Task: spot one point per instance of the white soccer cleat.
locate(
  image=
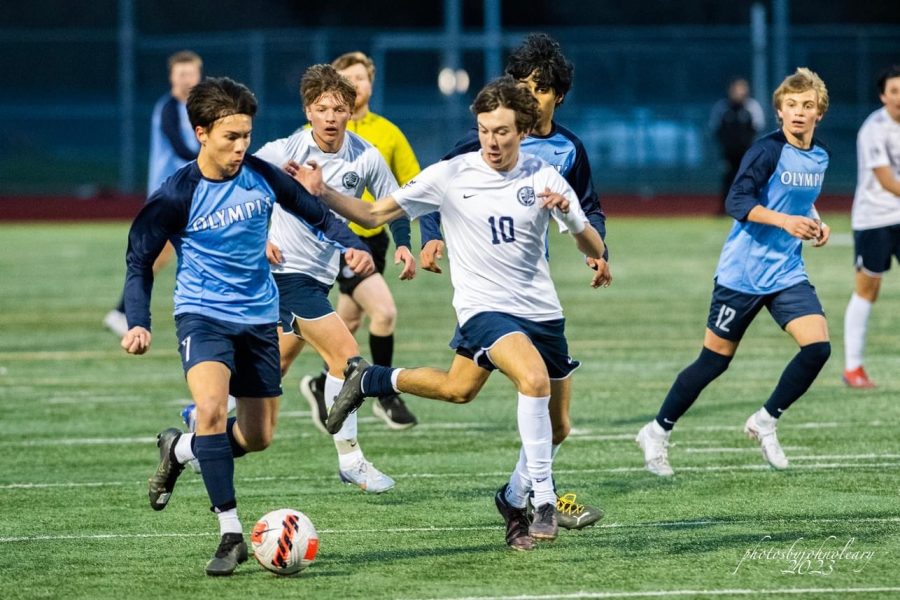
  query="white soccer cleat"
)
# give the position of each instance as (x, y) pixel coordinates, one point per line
(367, 477)
(757, 429)
(116, 322)
(656, 449)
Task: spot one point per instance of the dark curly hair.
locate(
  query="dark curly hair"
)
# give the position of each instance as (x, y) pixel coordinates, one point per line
(507, 92)
(540, 54)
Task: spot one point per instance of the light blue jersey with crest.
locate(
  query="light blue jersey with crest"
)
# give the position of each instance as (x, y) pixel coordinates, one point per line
(762, 259)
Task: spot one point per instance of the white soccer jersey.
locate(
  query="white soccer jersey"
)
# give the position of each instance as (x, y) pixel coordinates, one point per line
(357, 166)
(496, 231)
(877, 145)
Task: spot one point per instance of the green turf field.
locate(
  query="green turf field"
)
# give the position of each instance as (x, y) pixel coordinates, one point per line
(79, 418)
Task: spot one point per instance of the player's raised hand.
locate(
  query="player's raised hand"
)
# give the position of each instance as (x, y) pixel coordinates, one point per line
(402, 254)
(273, 253)
(309, 176)
(431, 253)
(802, 227)
(554, 200)
(602, 275)
(824, 234)
(136, 340)
(359, 261)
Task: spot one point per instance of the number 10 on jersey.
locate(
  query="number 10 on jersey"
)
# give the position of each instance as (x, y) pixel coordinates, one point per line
(502, 230)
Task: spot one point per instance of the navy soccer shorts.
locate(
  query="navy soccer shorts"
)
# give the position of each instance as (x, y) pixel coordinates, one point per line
(874, 248)
(300, 297)
(378, 247)
(475, 339)
(249, 351)
(731, 312)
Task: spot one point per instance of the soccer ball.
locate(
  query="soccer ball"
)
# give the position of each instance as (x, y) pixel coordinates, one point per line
(285, 541)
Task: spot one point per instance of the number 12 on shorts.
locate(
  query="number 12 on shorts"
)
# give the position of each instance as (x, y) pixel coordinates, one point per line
(726, 315)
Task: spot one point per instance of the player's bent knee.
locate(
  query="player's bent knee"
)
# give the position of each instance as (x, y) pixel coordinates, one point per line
(817, 353)
(536, 385)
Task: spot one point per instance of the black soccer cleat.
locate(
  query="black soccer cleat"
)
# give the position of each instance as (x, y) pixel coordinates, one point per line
(161, 484)
(351, 396)
(545, 525)
(313, 389)
(517, 535)
(232, 551)
(394, 412)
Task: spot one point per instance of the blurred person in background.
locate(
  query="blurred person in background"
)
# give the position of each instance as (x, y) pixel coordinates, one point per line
(172, 145)
(875, 219)
(735, 122)
(361, 296)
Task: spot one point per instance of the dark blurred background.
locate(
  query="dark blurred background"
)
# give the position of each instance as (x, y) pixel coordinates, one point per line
(79, 79)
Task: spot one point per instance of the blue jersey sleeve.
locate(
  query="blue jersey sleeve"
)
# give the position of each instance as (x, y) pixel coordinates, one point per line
(294, 198)
(171, 129)
(401, 232)
(430, 224)
(165, 215)
(756, 169)
(579, 177)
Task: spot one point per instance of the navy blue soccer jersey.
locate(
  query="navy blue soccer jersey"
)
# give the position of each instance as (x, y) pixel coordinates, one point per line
(219, 229)
(560, 148)
(757, 258)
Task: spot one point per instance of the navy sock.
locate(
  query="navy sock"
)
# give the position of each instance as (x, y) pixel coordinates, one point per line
(217, 467)
(382, 348)
(798, 376)
(237, 450)
(688, 385)
(377, 381)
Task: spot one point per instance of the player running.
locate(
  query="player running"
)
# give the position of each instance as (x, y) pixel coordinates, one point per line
(760, 266)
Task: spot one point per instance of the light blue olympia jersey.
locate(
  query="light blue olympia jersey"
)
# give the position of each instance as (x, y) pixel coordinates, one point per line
(219, 231)
(762, 259)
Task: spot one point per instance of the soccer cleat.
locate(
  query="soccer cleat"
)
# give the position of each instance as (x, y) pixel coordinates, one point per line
(545, 525)
(116, 322)
(857, 379)
(162, 482)
(189, 416)
(232, 551)
(517, 535)
(394, 412)
(570, 514)
(768, 441)
(656, 450)
(313, 389)
(367, 477)
(350, 398)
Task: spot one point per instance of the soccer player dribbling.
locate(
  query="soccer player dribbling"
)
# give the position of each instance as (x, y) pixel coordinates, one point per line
(215, 211)
(772, 201)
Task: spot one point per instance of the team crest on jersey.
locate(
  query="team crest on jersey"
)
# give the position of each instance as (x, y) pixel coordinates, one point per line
(526, 195)
(350, 180)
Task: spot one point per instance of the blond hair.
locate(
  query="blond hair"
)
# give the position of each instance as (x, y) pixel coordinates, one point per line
(184, 56)
(802, 80)
(349, 59)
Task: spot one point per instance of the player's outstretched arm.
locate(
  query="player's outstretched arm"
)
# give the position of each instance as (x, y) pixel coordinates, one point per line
(591, 245)
(798, 226)
(431, 253)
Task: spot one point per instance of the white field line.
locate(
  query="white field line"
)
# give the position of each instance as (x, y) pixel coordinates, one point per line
(402, 530)
(491, 474)
(689, 593)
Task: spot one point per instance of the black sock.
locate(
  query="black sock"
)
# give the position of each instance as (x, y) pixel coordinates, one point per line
(217, 468)
(237, 450)
(382, 349)
(798, 375)
(688, 385)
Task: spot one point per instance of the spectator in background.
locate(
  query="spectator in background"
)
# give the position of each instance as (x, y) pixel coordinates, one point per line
(875, 219)
(735, 122)
(173, 144)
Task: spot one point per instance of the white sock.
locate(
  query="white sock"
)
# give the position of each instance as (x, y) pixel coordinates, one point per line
(229, 522)
(765, 419)
(657, 429)
(332, 387)
(232, 403)
(345, 461)
(537, 444)
(856, 325)
(183, 452)
(519, 483)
